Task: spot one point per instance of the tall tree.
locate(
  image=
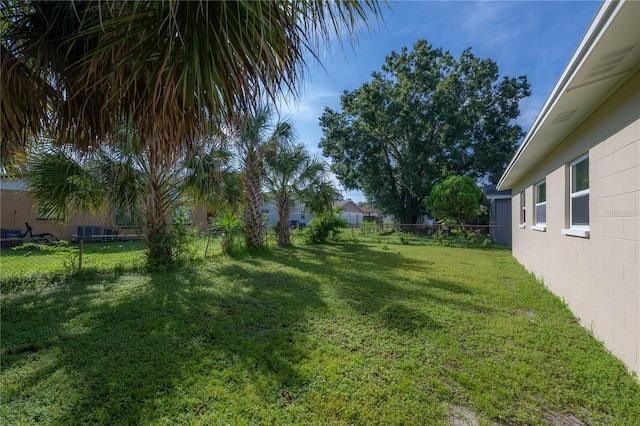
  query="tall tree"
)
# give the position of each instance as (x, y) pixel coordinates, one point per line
(293, 175)
(423, 116)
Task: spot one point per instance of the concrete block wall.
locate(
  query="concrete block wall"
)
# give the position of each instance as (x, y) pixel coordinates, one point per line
(599, 276)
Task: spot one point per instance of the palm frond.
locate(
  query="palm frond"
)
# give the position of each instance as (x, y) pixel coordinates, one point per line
(59, 183)
(169, 68)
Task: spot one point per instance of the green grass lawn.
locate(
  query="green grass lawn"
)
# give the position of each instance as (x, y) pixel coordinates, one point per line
(18, 265)
(349, 333)
(28, 262)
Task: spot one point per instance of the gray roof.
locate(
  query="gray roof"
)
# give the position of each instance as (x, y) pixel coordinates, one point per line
(490, 192)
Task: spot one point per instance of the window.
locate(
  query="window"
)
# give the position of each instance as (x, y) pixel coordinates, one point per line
(578, 197)
(541, 206)
(523, 210)
(125, 219)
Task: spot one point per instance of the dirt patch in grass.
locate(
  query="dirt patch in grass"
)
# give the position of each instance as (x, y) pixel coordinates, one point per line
(563, 419)
(462, 416)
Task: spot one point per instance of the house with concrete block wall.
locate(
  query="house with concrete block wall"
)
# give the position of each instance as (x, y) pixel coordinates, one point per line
(575, 184)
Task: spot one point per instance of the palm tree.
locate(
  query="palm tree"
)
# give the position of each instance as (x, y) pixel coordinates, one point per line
(168, 69)
(255, 137)
(320, 196)
(292, 175)
(115, 179)
(209, 178)
(123, 177)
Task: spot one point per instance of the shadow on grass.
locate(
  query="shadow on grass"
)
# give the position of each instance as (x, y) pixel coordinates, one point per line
(372, 282)
(117, 352)
(131, 349)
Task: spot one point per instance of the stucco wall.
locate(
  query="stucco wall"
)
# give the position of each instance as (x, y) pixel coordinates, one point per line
(599, 276)
(17, 207)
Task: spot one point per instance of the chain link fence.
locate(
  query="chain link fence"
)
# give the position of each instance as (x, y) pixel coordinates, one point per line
(25, 261)
(41, 261)
(38, 260)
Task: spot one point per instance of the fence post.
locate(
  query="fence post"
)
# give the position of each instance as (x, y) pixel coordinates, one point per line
(80, 247)
(206, 250)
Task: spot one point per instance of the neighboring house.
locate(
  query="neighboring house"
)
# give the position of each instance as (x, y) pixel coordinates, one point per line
(499, 203)
(575, 182)
(368, 211)
(351, 212)
(17, 206)
(298, 217)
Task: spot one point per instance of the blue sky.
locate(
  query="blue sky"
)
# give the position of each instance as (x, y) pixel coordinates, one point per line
(536, 38)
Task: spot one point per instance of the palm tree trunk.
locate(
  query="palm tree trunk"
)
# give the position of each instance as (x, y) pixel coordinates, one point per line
(253, 205)
(284, 211)
(154, 213)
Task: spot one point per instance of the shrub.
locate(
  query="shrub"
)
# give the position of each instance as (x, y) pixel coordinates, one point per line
(184, 236)
(230, 226)
(456, 198)
(368, 228)
(322, 227)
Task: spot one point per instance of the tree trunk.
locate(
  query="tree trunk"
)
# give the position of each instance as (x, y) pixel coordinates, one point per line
(155, 208)
(284, 211)
(253, 204)
(409, 214)
(154, 211)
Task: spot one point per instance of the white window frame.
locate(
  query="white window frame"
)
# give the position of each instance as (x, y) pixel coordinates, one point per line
(576, 230)
(538, 225)
(523, 210)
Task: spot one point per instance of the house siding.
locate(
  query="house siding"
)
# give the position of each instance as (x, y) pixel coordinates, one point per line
(598, 277)
(501, 223)
(18, 207)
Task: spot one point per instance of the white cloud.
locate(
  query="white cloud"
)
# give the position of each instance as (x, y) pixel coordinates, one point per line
(310, 105)
(529, 109)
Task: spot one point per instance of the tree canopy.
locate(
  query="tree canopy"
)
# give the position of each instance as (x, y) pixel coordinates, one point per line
(424, 116)
(456, 198)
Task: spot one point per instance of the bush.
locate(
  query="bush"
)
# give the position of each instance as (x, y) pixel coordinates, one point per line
(184, 237)
(230, 225)
(368, 228)
(322, 227)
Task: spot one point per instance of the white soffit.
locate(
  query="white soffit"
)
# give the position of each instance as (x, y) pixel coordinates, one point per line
(608, 54)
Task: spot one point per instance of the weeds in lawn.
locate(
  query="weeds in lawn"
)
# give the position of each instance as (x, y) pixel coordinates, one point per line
(68, 253)
(329, 334)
